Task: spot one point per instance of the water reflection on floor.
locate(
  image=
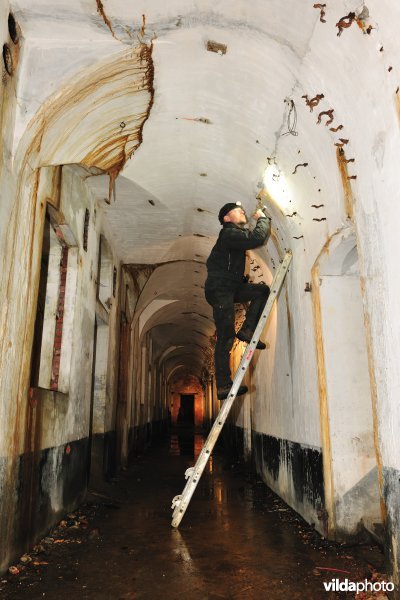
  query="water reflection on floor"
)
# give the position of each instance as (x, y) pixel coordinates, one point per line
(237, 540)
(185, 441)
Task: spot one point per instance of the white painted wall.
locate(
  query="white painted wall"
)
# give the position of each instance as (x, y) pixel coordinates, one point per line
(355, 481)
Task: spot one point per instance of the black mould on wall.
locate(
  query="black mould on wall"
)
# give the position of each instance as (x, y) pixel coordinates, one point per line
(61, 477)
(304, 464)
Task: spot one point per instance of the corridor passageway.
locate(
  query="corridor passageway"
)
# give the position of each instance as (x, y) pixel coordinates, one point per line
(126, 126)
(238, 540)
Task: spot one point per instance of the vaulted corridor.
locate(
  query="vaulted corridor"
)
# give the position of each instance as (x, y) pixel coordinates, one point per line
(125, 128)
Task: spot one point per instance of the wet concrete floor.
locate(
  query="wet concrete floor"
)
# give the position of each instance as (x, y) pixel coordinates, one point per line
(237, 540)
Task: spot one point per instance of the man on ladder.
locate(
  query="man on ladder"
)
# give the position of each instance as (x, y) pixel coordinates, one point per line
(226, 285)
(232, 291)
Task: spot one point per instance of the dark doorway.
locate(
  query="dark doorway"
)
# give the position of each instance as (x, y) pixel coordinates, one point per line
(186, 410)
(186, 425)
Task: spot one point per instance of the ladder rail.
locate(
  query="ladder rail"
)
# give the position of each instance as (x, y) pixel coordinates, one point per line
(181, 502)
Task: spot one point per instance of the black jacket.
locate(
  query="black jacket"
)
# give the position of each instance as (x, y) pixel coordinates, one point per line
(228, 257)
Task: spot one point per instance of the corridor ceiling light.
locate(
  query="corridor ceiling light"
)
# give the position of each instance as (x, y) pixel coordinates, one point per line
(276, 186)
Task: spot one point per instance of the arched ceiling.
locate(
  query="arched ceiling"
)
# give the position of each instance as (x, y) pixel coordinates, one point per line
(234, 99)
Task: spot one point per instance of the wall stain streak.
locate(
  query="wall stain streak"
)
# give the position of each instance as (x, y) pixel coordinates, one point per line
(323, 399)
(27, 429)
(28, 474)
(303, 465)
(112, 155)
(374, 400)
(289, 321)
(100, 10)
(397, 103)
(347, 191)
(92, 98)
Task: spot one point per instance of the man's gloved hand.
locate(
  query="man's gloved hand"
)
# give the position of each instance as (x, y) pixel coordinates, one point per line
(266, 212)
(259, 213)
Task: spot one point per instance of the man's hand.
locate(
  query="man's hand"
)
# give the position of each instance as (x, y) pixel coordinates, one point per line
(259, 213)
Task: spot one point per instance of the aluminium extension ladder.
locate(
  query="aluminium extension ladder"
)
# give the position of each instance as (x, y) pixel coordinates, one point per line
(193, 474)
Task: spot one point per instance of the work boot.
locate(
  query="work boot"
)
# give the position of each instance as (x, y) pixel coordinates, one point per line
(245, 335)
(222, 392)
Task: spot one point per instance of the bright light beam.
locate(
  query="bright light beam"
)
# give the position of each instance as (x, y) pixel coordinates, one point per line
(276, 186)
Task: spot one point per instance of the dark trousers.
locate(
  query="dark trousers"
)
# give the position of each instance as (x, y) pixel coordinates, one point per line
(222, 296)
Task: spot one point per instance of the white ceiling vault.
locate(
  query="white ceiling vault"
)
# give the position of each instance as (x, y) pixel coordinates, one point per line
(208, 124)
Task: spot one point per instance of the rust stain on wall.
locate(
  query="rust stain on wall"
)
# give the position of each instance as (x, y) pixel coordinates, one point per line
(143, 28)
(92, 97)
(323, 399)
(53, 195)
(112, 154)
(23, 428)
(289, 318)
(397, 103)
(100, 10)
(374, 400)
(347, 191)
